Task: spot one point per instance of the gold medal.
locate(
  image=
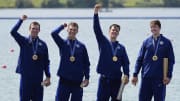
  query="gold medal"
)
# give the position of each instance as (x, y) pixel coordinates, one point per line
(34, 57)
(154, 58)
(72, 59)
(115, 58)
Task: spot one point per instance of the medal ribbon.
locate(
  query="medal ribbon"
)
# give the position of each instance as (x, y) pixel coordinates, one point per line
(156, 48)
(114, 51)
(35, 48)
(72, 48)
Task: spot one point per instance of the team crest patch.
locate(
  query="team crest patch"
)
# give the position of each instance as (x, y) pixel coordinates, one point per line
(77, 46)
(161, 42)
(40, 44)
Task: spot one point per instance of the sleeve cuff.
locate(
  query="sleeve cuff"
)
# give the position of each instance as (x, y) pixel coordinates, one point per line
(169, 75)
(62, 26)
(87, 77)
(135, 74)
(127, 75)
(48, 75)
(95, 15)
(20, 20)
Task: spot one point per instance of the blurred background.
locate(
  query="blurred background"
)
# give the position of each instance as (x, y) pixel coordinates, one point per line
(86, 3)
(132, 15)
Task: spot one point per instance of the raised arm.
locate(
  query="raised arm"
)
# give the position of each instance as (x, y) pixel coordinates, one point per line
(58, 40)
(14, 31)
(96, 25)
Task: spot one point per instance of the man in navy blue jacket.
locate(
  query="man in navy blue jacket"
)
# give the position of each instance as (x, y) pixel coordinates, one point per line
(74, 65)
(33, 62)
(113, 56)
(150, 62)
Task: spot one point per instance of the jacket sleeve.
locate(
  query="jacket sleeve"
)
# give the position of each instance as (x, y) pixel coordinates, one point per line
(125, 63)
(139, 60)
(171, 60)
(47, 63)
(14, 32)
(97, 30)
(86, 64)
(58, 40)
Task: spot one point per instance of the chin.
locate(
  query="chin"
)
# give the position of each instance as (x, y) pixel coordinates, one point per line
(155, 33)
(34, 36)
(113, 36)
(72, 35)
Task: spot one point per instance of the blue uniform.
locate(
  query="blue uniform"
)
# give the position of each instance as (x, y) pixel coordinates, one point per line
(71, 73)
(152, 71)
(31, 71)
(109, 70)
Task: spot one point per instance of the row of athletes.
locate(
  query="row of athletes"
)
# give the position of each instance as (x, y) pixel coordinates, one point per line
(74, 65)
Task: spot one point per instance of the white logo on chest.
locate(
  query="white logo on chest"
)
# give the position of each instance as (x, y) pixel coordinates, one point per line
(161, 42)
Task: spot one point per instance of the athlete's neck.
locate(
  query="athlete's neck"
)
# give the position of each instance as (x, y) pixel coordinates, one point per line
(34, 37)
(113, 39)
(155, 36)
(72, 38)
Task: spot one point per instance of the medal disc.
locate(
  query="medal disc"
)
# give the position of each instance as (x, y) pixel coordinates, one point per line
(34, 57)
(114, 58)
(72, 58)
(154, 58)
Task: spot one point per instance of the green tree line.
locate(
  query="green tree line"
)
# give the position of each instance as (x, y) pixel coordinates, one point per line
(86, 3)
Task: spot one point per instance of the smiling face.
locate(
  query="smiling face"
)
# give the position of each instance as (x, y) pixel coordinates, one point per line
(155, 27)
(72, 30)
(114, 30)
(34, 29)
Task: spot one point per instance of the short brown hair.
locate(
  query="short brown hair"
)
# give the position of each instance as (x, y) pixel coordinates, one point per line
(34, 23)
(74, 24)
(156, 22)
(114, 25)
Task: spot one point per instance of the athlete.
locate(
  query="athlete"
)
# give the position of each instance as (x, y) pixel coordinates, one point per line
(74, 64)
(33, 62)
(112, 57)
(150, 62)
